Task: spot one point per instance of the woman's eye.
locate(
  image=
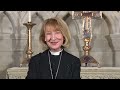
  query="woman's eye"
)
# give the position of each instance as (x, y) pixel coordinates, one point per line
(57, 32)
(48, 33)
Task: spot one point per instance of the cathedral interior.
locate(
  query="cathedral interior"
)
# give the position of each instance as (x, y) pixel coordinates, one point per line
(13, 37)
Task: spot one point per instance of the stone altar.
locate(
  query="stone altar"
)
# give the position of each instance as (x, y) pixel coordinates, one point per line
(86, 73)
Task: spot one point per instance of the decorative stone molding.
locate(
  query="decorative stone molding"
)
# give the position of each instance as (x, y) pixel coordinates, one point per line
(86, 73)
(115, 41)
(100, 73)
(16, 73)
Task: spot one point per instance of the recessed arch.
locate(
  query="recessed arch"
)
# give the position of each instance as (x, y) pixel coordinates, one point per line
(112, 19)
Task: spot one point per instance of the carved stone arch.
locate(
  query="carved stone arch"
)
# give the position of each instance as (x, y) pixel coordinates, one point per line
(38, 19)
(73, 27)
(107, 20)
(113, 22)
(78, 36)
(116, 24)
(8, 40)
(112, 19)
(50, 14)
(44, 14)
(12, 17)
(15, 42)
(62, 14)
(76, 23)
(107, 27)
(1, 12)
(40, 15)
(25, 18)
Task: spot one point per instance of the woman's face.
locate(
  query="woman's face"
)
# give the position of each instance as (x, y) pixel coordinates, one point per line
(53, 38)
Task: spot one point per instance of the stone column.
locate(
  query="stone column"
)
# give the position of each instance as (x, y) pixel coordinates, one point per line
(115, 45)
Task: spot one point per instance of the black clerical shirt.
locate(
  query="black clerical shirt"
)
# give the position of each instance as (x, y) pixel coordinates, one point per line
(39, 67)
(54, 59)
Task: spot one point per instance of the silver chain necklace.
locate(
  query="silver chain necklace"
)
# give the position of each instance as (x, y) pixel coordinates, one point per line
(51, 66)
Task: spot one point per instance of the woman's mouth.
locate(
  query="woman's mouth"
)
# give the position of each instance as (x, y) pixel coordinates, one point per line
(53, 43)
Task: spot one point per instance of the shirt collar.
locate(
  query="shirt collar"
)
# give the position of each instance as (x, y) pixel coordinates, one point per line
(56, 53)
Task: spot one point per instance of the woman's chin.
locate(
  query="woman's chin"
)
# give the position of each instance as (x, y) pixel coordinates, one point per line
(55, 48)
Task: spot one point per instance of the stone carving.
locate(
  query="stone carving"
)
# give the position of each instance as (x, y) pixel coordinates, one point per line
(86, 73)
(12, 31)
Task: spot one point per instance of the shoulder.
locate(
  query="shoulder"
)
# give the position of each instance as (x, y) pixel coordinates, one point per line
(71, 57)
(37, 57)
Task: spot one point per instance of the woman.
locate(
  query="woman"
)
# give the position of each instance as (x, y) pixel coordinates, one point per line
(54, 62)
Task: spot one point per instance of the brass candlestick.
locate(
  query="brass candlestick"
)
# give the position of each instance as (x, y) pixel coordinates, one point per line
(29, 51)
(86, 17)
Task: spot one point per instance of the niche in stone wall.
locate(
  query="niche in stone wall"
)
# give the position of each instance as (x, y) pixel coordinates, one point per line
(74, 27)
(101, 50)
(6, 45)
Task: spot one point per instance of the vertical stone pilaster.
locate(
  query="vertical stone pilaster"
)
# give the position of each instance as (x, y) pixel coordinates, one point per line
(115, 39)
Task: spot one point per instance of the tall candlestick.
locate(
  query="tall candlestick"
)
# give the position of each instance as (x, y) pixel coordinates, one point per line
(87, 35)
(29, 51)
(29, 17)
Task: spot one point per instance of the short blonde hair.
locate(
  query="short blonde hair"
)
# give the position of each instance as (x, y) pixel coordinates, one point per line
(59, 24)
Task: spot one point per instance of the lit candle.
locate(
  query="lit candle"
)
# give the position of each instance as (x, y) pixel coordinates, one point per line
(91, 28)
(83, 23)
(90, 22)
(72, 14)
(101, 14)
(86, 23)
(29, 17)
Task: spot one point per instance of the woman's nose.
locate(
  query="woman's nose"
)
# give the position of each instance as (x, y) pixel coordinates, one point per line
(53, 36)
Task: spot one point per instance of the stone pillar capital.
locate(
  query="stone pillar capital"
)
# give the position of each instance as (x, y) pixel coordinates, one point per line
(115, 39)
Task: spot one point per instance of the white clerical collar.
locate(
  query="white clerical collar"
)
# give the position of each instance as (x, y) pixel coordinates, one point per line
(56, 53)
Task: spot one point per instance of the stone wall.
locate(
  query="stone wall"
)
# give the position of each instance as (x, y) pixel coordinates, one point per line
(13, 37)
